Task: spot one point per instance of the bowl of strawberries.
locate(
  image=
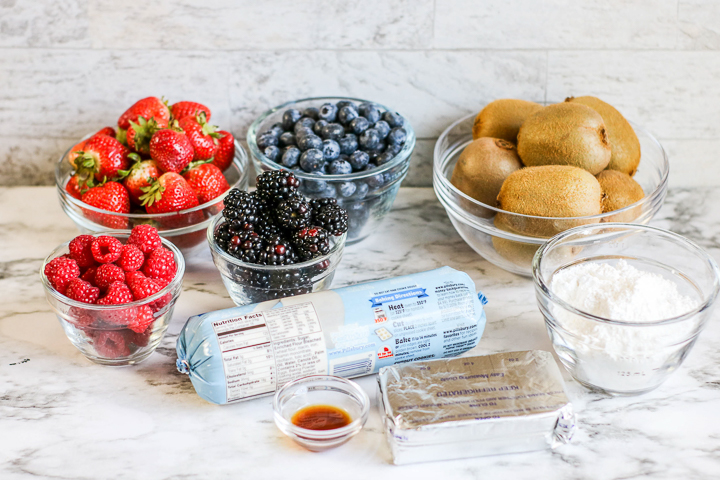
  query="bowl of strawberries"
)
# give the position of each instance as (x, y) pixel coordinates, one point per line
(163, 165)
(114, 294)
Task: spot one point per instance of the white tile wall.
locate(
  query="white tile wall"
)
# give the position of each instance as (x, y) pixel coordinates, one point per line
(70, 66)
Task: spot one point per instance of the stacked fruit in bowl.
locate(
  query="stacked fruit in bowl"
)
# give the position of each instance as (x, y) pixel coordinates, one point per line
(165, 165)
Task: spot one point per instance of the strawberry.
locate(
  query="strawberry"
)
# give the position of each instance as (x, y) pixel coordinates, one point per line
(207, 181)
(73, 188)
(100, 160)
(81, 250)
(121, 136)
(139, 134)
(225, 152)
(160, 264)
(82, 291)
(140, 175)
(131, 258)
(112, 197)
(145, 237)
(169, 193)
(143, 319)
(80, 146)
(107, 274)
(60, 271)
(150, 107)
(202, 135)
(184, 109)
(109, 131)
(171, 149)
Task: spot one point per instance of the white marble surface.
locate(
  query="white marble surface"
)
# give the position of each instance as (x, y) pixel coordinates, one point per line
(62, 417)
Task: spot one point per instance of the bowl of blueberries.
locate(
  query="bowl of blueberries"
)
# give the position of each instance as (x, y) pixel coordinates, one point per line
(353, 150)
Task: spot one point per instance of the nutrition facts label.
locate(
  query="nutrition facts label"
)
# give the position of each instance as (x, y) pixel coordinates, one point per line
(264, 350)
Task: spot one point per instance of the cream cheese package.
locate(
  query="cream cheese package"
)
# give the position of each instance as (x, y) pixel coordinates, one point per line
(474, 406)
(253, 350)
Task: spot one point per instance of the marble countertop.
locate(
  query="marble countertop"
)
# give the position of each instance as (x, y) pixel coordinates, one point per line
(63, 417)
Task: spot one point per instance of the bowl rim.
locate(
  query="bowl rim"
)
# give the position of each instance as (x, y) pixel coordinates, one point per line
(403, 155)
(240, 160)
(176, 281)
(338, 246)
(342, 384)
(440, 178)
(542, 287)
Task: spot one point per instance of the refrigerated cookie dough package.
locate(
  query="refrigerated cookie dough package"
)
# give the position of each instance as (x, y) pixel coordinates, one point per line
(474, 406)
(253, 350)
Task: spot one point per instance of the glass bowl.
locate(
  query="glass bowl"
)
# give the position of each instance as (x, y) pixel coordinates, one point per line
(113, 343)
(251, 283)
(618, 357)
(476, 222)
(321, 390)
(186, 228)
(375, 190)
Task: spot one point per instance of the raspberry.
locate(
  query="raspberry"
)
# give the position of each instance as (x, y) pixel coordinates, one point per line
(145, 237)
(81, 250)
(82, 291)
(81, 317)
(117, 294)
(106, 249)
(110, 344)
(131, 258)
(89, 275)
(60, 271)
(142, 286)
(160, 264)
(141, 339)
(143, 319)
(108, 273)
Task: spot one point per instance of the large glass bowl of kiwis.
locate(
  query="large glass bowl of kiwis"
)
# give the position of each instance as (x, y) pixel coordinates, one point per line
(518, 173)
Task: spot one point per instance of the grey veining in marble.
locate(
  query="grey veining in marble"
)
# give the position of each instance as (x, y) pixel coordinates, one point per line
(64, 417)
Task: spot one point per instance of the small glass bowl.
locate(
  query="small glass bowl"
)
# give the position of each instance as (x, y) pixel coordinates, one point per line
(186, 228)
(251, 283)
(375, 190)
(613, 356)
(321, 390)
(488, 233)
(113, 343)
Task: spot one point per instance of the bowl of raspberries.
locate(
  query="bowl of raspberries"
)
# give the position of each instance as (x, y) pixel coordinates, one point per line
(275, 242)
(114, 294)
(355, 151)
(163, 164)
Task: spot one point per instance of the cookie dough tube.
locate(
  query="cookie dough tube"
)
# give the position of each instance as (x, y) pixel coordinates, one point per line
(251, 351)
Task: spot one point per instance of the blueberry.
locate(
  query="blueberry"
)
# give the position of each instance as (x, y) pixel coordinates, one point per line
(383, 128)
(276, 129)
(359, 125)
(339, 167)
(315, 186)
(345, 103)
(384, 158)
(330, 149)
(346, 189)
(332, 131)
(361, 191)
(359, 160)
(397, 136)
(286, 139)
(369, 111)
(373, 154)
(328, 112)
(291, 157)
(346, 115)
(304, 122)
(265, 140)
(344, 157)
(393, 148)
(370, 139)
(393, 119)
(312, 160)
(348, 144)
(289, 118)
(303, 132)
(327, 192)
(374, 181)
(311, 112)
(306, 142)
(272, 152)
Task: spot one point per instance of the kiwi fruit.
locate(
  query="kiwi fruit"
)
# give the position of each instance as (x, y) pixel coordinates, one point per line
(565, 134)
(502, 118)
(548, 191)
(624, 142)
(518, 253)
(620, 190)
(482, 168)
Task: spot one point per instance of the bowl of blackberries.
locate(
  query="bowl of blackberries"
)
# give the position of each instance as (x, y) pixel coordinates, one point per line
(353, 150)
(275, 242)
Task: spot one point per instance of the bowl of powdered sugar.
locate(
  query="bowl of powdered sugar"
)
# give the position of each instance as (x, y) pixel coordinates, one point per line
(623, 304)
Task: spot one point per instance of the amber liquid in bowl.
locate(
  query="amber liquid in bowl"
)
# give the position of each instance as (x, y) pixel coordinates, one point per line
(321, 417)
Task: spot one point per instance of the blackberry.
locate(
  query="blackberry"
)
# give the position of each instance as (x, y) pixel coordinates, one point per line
(293, 213)
(276, 185)
(318, 203)
(246, 247)
(311, 242)
(332, 217)
(240, 206)
(277, 251)
(269, 286)
(265, 225)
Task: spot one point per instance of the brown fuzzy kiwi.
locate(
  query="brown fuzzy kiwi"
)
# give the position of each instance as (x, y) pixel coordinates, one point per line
(548, 191)
(518, 253)
(565, 134)
(619, 191)
(624, 142)
(502, 118)
(482, 168)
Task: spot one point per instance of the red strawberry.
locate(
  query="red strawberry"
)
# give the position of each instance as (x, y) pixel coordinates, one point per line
(81, 250)
(143, 319)
(121, 136)
(207, 181)
(100, 160)
(140, 175)
(150, 107)
(60, 271)
(170, 193)
(202, 135)
(110, 344)
(145, 237)
(225, 152)
(131, 258)
(139, 134)
(73, 188)
(171, 149)
(107, 274)
(160, 264)
(80, 146)
(106, 249)
(112, 197)
(184, 109)
(109, 131)
(82, 291)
